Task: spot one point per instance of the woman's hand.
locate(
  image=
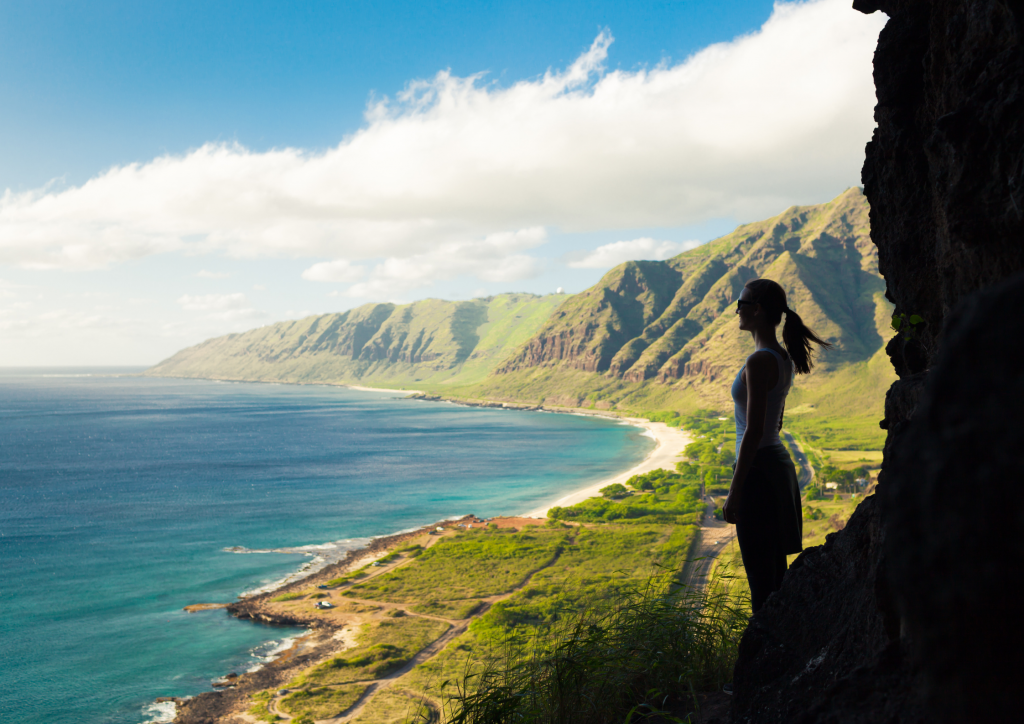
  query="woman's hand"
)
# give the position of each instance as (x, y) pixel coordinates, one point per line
(732, 508)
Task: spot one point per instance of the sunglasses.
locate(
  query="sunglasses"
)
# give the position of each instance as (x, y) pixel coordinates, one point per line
(741, 302)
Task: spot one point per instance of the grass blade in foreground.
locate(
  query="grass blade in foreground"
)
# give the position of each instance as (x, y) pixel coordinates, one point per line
(645, 657)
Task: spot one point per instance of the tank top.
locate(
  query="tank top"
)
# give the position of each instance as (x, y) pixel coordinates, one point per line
(773, 411)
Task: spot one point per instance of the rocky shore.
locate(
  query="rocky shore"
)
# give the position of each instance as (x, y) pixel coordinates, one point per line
(324, 635)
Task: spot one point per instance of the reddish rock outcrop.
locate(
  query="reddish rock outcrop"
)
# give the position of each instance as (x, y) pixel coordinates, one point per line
(908, 615)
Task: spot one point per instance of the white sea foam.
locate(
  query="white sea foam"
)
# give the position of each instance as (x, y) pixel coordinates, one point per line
(267, 652)
(321, 555)
(160, 712)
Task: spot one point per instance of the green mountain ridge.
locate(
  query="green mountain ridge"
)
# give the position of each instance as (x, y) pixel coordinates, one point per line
(651, 335)
(430, 341)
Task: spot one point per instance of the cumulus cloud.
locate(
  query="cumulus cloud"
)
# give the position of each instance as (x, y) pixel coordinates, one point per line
(224, 307)
(339, 270)
(609, 255)
(495, 259)
(741, 129)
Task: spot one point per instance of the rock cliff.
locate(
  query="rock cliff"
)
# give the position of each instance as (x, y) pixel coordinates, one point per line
(910, 613)
(670, 320)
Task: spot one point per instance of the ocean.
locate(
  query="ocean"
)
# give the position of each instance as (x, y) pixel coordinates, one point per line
(120, 497)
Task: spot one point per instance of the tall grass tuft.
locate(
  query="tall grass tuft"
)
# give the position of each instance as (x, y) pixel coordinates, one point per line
(644, 657)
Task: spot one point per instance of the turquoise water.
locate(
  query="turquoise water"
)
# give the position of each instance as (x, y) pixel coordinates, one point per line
(120, 494)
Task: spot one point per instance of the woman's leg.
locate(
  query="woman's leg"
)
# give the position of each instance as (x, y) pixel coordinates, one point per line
(761, 560)
(780, 570)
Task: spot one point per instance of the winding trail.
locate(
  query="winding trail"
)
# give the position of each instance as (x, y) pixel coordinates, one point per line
(806, 471)
(714, 534)
(457, 628)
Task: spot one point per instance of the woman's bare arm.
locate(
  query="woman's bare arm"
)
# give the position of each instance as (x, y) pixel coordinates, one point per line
(761, 375)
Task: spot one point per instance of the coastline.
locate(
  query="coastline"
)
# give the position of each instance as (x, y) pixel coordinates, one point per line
(321, 633)
(669, 445)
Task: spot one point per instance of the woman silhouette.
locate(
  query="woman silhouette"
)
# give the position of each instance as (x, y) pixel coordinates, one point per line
(764, 499)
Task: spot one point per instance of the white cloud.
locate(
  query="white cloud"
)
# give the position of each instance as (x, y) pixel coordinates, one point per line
(609, 255)
(212, 275)
(224, 307)
(495, 259)
(741, 129)
(338, 270)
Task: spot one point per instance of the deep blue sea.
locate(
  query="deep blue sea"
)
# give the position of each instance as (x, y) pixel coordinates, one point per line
(119, 496)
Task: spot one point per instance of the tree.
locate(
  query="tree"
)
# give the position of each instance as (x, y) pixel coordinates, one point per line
(615, 490)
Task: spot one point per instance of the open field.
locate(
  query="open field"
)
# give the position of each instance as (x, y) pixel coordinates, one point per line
(854, 457)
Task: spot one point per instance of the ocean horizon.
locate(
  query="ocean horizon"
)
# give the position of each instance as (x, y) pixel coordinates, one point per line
(125, 498)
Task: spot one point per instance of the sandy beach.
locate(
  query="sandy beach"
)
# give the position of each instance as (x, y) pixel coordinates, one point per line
(670, 443)
(361, 388)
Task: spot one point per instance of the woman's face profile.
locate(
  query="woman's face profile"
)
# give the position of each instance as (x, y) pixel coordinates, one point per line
(746, 308)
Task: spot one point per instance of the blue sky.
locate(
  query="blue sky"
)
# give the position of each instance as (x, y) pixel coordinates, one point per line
(176, 171)
(91, 84)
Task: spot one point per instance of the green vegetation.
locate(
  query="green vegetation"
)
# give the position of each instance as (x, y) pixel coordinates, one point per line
(448, 609)
(614, 491)
(259, 708)
(846, 480)
(348, 577)
(288, 597)
(637, 659)
(396, 707)
(383, 647)
(322, 702)
(475, 564)
(672, 498)
(425, 344)
(598, 566)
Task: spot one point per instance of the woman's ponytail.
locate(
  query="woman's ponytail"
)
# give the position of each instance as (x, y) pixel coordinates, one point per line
(796, 336)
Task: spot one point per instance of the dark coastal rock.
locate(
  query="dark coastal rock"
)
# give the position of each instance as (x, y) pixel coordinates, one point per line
(955, 508)
(909, 614)
(806, 654)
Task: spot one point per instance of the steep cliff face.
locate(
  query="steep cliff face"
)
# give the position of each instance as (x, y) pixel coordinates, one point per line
(907, 614)
(672, 320)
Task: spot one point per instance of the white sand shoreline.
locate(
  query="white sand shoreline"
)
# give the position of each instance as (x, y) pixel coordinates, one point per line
(360, 388)
(670, 442)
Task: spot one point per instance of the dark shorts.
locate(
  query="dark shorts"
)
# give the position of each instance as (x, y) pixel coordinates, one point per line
(771, 499)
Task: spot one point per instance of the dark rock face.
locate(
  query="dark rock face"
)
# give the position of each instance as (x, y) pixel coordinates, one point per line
(955, 512)
(800, 657)
(909, 613)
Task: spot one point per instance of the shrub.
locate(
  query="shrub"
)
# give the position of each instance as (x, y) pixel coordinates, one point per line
(643, 653)
(287, 597)
(615, 490)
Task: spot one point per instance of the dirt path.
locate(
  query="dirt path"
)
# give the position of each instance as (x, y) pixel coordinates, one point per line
(458, 627)
(803, 463)
(714, 534)
(437, 646)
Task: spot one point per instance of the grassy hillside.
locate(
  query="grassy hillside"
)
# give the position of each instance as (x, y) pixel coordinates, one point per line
(650, 336)
(428, 343)
(672, 321)
(662, 335)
